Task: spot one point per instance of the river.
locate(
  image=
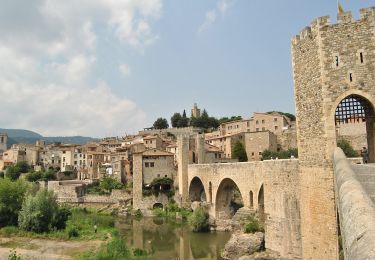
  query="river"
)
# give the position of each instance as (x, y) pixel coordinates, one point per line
(172, 240)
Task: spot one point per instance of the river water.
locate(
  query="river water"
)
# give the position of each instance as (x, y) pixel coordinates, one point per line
(171, 239)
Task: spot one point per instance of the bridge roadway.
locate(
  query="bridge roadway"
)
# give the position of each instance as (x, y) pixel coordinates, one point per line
(365, 174)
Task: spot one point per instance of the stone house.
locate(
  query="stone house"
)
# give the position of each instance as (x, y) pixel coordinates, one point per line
(256, 142)
(273, 122)
(157, 163)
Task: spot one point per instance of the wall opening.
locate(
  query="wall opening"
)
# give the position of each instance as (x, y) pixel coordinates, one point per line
(261, 213)
(354, 120)
(196, 190)
(210, 192)
(228, 199)
(251, 199)
(157, 206)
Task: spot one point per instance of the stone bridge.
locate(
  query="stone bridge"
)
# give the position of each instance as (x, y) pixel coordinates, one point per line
(269, 187)
(355, 198)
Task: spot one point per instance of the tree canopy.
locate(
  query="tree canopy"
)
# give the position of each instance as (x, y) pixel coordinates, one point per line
(161, 123)
(239, 152)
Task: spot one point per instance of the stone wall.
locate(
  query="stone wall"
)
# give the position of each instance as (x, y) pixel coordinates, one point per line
(356, 212)
(280, 182)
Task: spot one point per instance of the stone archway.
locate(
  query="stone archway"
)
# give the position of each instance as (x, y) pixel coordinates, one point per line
(196, 190)
(354, 121)
(261, 213)
(251, 196)
(228, 199)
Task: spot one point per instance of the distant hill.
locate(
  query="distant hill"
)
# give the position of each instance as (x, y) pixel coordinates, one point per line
(29, 137)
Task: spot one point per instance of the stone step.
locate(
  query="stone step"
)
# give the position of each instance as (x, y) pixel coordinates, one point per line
(243, 213)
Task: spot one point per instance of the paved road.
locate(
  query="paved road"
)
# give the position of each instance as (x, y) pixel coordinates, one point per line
(365, 174)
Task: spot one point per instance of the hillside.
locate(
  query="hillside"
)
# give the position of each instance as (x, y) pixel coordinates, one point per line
(29, 137)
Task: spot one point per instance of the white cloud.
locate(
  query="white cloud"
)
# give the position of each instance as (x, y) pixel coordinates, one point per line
(124, 70)
(47, 60)
(211, 16)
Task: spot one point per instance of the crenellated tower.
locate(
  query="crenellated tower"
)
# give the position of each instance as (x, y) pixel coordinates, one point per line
(334, 79)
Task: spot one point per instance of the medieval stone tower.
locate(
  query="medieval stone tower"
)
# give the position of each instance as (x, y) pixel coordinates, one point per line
(3, 142)
(334, 77)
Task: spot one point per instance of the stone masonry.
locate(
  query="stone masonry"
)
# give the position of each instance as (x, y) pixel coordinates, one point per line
(330, 62)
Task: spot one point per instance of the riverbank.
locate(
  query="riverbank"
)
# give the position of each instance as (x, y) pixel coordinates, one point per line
(45, 249)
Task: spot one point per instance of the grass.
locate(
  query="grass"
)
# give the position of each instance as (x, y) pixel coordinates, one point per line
(80, 226)
(252, 225)
(115, 249)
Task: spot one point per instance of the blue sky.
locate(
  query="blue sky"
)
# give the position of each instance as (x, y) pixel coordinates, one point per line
(109, 67)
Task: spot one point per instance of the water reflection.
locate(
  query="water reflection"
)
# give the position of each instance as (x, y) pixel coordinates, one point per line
(172, 240)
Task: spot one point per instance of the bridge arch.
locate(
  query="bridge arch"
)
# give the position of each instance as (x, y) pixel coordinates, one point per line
(196, 190)
(354, 112)
(261, 212)
(251, 197)
(228, 199)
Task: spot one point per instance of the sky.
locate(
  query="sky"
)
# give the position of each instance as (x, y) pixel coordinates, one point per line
(111, 67)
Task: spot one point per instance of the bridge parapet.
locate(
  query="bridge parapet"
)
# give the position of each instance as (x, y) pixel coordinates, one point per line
(356, 211)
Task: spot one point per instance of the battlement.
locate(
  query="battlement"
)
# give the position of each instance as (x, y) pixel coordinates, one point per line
(342, 18)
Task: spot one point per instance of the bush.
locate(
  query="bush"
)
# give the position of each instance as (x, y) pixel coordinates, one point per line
(199, 220)
(347, 148)
(252, 225)
(267, 154)
(13, 255)
(33, 176)
(41, 213)
(109, 184)
(11, 196)
(73, 232)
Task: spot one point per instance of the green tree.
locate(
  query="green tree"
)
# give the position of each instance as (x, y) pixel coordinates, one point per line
(347, 148)
(175, 119)
(199, 220)
(161, 123)
(12, 193)
(109, 184)
(13, 173)
(289, 115)
(231, 119)
(41, 213)
(239, 152)
(204, 121)
(184, 121)
(23, 166)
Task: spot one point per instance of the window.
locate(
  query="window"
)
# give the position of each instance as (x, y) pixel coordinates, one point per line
(263, 121)
(276, 127)
(252, 153)
(152, 164)
(165, 176)
(361, 57)
(260, 153)
(75, 162)
(351, 77)
(257, 122)
(147, 164)
(64, 152)
(337, 60)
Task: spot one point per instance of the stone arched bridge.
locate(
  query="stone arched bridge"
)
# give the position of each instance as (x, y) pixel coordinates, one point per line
(270, 187)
